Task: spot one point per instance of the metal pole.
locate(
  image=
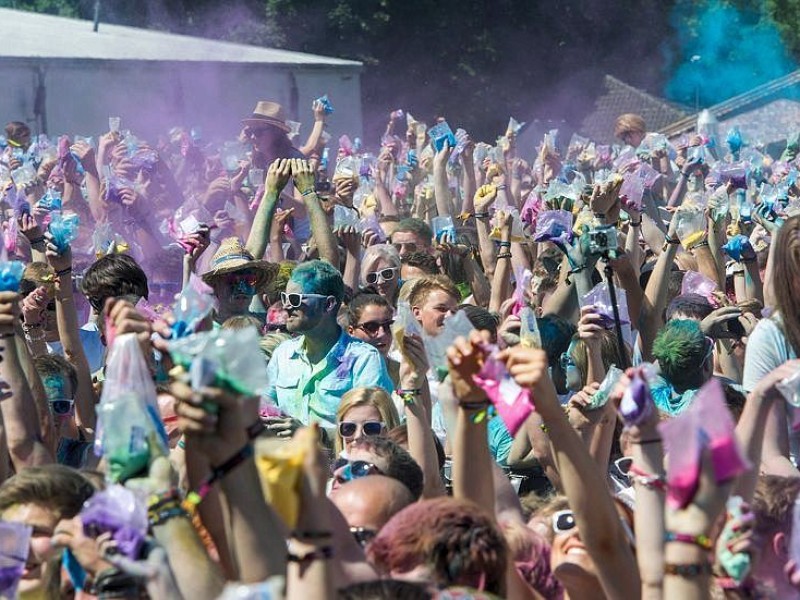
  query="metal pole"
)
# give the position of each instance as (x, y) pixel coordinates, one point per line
(96, 15)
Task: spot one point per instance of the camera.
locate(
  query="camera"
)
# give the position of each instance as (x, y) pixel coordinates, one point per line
(603, 240)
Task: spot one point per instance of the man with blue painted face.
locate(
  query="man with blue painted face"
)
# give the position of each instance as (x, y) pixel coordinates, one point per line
(309, 374)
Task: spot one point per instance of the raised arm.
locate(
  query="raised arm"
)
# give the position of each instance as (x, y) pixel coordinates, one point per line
(316, 132)
(320, 228)
(277, 177)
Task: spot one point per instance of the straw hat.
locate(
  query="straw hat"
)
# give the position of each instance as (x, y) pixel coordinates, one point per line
(268, 113)
(232, 257)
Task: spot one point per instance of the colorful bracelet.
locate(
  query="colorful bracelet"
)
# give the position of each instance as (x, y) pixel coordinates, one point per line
(647, 480)
(408, 396)
(194, 498)
(166, 514)
(687, 570)
(155, 501)
(703, 541)
(504, 244)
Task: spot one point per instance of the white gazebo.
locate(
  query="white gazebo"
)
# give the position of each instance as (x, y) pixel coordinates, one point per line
(60, 76)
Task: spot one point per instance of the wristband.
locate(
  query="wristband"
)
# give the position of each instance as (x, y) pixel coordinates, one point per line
(308, 192)
(407, 396)
(502, 186)
(155, 501)
(37, 241)
(504, 244)
(64, 271)
(651, 482)
(700, 245)
(482, 215)
(166, 514)
(703, 541)
(504, 255)
(311, 535)
(635, 223)
(645, 442)
(194, 498)
(474, 405)
(684, 175)
(324, 553)
(687, 570)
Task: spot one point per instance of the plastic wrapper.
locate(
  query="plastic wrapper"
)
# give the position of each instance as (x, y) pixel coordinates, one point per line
(129, 427)
(371, 223)
(15, 540)
(113, 124)
(522, 283)
(637, 403)
(691, 227)
(554, 226)
(443, 227)
(280, 466)
(734, 140)
(632, 190)
(514, 126)
(115, 185)
(790, 389)
(436, 345)
(625, 159)
(272, 589)
(51, 200)
(10, 270)
(344, 217)
(512, 402)
(529, 335)
(16, 199)
(737, 566)
(707, 422)
(23, 176)
(346, 168)
(441, 133)
(697, 283)
(405, 323)
(577, 144)
(517, 233)
(64, 229)
(531, 208)
(232, 358)
(118, 511)
(346, 146)
(195, 303)
(735, 173)
(738, 247)
(326, 104)
(294, 128)
(600, 298)
(607, 386)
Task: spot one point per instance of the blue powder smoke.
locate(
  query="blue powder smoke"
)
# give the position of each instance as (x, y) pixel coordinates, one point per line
(723, 52)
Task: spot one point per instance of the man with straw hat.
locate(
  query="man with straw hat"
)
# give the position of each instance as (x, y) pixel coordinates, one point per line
(236, 277)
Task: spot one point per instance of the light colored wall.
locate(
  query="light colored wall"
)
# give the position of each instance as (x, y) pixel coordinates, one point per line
(151, 97)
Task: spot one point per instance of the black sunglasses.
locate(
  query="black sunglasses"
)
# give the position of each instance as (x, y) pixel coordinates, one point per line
(347, 429)
(61, 407)
(363, 535)
(373, 327)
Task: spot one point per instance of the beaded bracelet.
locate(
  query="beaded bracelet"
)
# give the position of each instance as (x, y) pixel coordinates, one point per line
(194, 498)
(688, 570)
(408, 396)
(504, 255)
(166, 514)
(646, 480)
(703, 541)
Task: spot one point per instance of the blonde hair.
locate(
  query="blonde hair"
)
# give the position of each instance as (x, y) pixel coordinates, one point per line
(375, 253)
(629, 123)
(367, 396)
(427, 285)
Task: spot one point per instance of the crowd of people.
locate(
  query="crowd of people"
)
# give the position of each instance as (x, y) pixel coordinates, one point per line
(437, 368)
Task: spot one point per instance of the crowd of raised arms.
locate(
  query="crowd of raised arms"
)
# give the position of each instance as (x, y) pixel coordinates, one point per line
(435, 368)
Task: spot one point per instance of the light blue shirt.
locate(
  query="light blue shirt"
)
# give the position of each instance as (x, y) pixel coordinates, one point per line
(312, 393)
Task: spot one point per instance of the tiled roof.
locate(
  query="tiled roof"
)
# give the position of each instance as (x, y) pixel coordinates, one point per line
(766, 124)
(620, 98)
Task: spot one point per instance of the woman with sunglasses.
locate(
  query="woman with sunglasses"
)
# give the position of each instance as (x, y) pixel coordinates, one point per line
(370, 319)
(380, 270)
(364, 412)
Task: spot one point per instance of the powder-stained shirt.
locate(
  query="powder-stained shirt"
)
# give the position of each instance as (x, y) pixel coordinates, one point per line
(312, 392)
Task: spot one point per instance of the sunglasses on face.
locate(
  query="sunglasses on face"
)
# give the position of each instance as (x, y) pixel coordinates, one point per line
(386, 274)
(348, 429)
(295, 300)
(410, 246)
(234, 280)
(61, 406)
(564, 522)
(363, 535)
(280, 327)
(354, 469)
(373, 327)
(256, 132)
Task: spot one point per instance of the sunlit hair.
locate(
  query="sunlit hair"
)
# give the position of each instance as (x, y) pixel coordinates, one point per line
(55, 487)
(367, 396)
(609, 351)
(629, 123)
(399, 463)
(238, 322)
(38, 274)
(375, 253)
(680, 348)
(785, 283)
(427, 285)
(319, 277)
(455, 539)
(417, 227)
(773, 503)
